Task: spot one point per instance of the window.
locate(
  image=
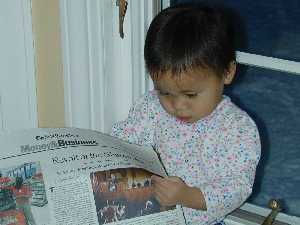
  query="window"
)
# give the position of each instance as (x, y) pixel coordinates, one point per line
(272, 27)
(267, 87)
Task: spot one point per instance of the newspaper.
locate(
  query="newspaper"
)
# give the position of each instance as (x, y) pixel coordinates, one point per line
(62, 176)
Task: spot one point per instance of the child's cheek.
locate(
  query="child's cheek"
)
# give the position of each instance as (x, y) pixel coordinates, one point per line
(167, 105)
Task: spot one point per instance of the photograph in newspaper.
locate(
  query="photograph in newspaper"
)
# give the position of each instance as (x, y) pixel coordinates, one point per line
(123, 194)
(22, 195)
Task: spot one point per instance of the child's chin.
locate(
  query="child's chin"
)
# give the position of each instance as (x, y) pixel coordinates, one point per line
(186, 120)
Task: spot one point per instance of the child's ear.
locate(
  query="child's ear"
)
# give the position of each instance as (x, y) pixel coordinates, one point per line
(230, 72)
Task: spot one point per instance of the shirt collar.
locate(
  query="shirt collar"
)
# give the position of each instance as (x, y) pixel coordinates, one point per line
(203, 123)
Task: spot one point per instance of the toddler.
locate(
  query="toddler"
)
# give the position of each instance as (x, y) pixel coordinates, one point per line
(209, 146)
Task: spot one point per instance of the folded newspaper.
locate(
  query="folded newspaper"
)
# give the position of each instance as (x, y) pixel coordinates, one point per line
(71, 176)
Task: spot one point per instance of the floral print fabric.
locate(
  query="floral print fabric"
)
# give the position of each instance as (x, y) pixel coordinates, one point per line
(218, 154)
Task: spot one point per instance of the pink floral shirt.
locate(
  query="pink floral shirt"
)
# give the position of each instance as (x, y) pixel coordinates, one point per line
(218, 154)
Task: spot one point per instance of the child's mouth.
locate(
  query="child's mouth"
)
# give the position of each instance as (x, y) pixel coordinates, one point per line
(184, 118)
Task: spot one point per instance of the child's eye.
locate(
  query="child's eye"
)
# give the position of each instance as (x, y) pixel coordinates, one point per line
(192, 95)
(163, 93)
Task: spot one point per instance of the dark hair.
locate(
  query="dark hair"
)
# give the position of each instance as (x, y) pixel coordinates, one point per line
(187, 37)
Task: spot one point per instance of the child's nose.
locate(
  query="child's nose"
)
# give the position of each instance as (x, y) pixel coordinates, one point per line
(179, 103)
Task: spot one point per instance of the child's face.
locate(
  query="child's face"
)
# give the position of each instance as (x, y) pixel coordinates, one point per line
(193, 95)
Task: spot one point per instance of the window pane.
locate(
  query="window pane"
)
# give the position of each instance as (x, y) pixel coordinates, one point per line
(272, 99)
(272, 27)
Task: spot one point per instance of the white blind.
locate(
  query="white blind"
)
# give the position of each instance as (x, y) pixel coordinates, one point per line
(18, 108)
(103, 73)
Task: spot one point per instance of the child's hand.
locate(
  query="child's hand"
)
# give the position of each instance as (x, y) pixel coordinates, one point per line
(169, 191)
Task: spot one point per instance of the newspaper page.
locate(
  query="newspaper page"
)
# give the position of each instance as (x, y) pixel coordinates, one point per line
(72, 176)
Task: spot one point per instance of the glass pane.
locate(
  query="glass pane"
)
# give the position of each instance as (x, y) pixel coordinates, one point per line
(272, 27)
(272, 99)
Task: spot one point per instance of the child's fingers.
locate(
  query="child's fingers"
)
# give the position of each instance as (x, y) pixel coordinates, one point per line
(162, 198)
(159, 199)
(166, 183)
(158, 187)
(163, 193)
(158, 181)
(156, 178)
(175, 179)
